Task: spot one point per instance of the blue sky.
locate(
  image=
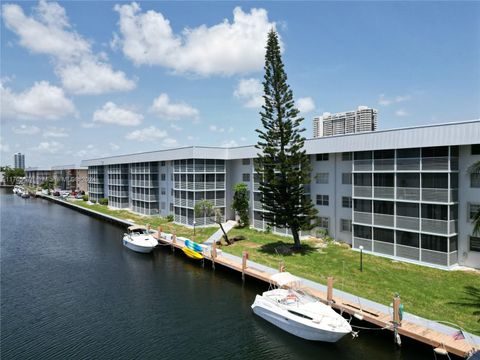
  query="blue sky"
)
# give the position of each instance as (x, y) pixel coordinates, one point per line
(88, 79)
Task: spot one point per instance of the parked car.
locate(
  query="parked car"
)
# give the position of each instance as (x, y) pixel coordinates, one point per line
(56, 193)
(78, 196)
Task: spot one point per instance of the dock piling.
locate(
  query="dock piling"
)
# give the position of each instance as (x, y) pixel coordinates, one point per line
(244, 263)
(330, 290)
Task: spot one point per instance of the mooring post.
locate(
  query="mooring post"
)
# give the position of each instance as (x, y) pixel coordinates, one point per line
(159, 231)
(174, 240)
(244, 263)
(330, 290)
(281, 267)
(397, 321)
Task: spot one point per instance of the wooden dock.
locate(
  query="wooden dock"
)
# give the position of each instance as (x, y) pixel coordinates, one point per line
(414, 331)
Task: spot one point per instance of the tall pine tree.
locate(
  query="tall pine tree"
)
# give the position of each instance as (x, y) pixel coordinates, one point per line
(282, 165)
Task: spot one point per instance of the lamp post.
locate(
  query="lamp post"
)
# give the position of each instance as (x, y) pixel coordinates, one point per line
(361, 257)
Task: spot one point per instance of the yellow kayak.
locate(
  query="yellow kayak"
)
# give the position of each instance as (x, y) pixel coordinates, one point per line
(192, 254)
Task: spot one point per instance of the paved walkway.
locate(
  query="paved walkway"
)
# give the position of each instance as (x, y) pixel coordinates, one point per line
(229, 225)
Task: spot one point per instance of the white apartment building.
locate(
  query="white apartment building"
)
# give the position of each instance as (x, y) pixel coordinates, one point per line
(361, 120)
(404, 194)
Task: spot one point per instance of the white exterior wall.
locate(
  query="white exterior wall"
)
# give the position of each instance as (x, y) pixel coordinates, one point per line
(466, 195)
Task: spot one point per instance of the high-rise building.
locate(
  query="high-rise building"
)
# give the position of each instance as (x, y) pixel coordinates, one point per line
(19, 161)
(360, 120)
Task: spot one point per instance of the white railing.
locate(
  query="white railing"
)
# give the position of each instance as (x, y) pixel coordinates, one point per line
(435, 163)
(408, 252)
(383, 219)
(435, 257)
(257, 205)
(366, 243)
(362, 217)
(408, 193)
(144, 197)
(408, 223)
(362, 165)
(383, 247)
(435, 226)
(435, 195)
(118, 193)
(384, 164)
(141, 183)
(383, 192)
(408, 164)
(362, 191)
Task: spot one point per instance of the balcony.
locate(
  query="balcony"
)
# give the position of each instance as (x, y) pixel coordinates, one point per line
(408, 223)
(117, 193)
(366, 243)
(362, 165)
(439, 226)
(435, 163)
(362, 217)
(435, 195)
(257, 205)
(408, 164)
(406, 193)
(383, 192)
(408, 252)
(362, 191)
(118, 182)
(383, 220)
(144, 197)
(144, 184)
(384, 164)
(435, 257)
(383, 247)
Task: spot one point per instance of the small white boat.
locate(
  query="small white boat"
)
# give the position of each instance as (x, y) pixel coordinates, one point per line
(139, 239)
(299, 313)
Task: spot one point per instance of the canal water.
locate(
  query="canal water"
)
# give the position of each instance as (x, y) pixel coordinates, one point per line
(70, 290)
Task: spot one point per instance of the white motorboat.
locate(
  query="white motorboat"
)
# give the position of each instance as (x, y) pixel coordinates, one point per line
(299, 313)
(139, 239)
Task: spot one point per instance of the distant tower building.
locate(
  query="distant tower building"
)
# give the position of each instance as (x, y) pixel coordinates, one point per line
(19, 161)
(360, 120)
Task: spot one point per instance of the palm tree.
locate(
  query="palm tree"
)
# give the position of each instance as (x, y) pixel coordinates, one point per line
(475, 169)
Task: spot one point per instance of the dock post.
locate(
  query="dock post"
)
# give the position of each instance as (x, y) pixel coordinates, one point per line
(214, 253)
(330, 290)
(397, 322)
(281, 267)
(174, 240)
(244, 263)
(159, 231)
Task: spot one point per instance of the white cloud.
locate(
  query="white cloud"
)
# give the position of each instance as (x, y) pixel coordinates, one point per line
(176, 127)
(41, 101)
(401, 113)
(113, 146)
(164, 109)
(4, 147)
(88, 125)
(383, 101)
(91, 76)
(150, 133)
(250, 91)
(168, 142)
(243, 139)
(48, 147)
(229, 143)
(226, 48)
(26, 130)
(49, 32)
(110, 113)
(55, 132)
(305, 105)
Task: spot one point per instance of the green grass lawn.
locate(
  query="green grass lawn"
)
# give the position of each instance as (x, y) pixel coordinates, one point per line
(201, 233)
(434, 294)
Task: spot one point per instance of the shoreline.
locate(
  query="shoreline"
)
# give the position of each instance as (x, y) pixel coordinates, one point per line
(432, 333)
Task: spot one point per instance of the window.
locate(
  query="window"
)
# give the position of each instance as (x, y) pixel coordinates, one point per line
(246, 177)
(435, 212)
(436, 243)
(245, 161)
(162, 163)
(435, 181)
(383, 180)
(347, 156)
(383, 235)
(474, 243)
(346, 178)
(322, 157)
(321, 178)
(346, 202)
(407, 209)
(362, 179)
(383, 207)
(345, 225)
(407, 238)
(323, 222)
(163, 177)
(362, 205)
(439, 151)
(407, 180)
(163, 191)
(475, 180)
(322, 200)
(472, 210)
(475, 149)
(364, 232)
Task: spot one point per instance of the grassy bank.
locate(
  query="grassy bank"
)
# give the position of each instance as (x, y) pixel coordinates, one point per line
(201, 234)
(434, 294)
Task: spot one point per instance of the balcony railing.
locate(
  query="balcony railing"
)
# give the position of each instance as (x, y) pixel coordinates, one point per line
(118, 193)
(384, 164)
(408, 223)
(144, 197)
(383, 247)
(435, 195)
(435, 163)
(362, 191)
(383, 192)
(146, 184)
(362, 217)
(408, 164)
(408, 193)
(366, 243)
(257, 205)
(383, 220)
(362, 165)
(408, 252)
(435, 257)
(435, 226)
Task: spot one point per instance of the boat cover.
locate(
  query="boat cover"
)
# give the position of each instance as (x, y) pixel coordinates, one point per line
(284, 278)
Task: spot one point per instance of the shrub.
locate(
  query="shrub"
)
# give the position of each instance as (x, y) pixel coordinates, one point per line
(85, 197)
(103, 201)
(93, 201)
(170, 218)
